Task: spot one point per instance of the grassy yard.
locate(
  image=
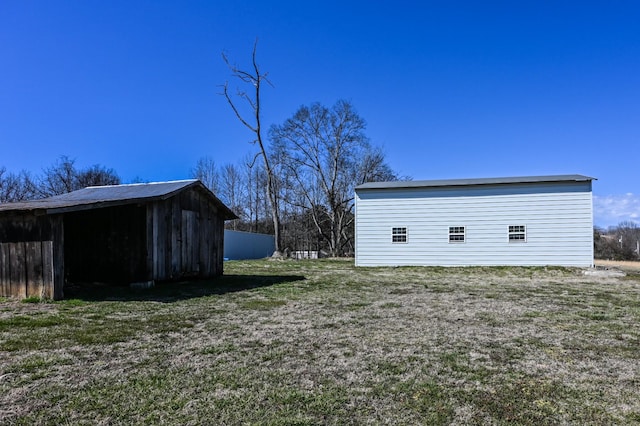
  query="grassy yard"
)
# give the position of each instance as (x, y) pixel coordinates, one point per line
(321, 342)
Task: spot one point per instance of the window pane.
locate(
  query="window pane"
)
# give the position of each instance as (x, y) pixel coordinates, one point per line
(517, 233)
(398, 235)
(456, 234)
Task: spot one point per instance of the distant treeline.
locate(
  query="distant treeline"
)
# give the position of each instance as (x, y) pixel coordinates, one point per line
(242, 187)
(317, 157)
(620, 242)
(61, 177)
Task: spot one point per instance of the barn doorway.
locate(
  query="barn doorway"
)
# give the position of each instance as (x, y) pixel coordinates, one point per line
(105, 245)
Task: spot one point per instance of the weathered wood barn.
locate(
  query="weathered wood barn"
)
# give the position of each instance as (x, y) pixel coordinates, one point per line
(531, 220)
(111, 234)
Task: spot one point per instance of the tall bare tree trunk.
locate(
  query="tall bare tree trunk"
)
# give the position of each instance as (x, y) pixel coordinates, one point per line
(255, 78)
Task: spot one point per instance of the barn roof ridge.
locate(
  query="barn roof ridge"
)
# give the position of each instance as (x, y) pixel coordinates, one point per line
(143, 183)
(474, 181)
(112, 195)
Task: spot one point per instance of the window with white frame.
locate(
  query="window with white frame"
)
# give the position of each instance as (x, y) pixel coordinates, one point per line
(456, 234)
(517, 233)
(399, 235)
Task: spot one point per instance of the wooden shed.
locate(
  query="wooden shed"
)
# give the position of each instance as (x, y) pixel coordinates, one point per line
(111, 234)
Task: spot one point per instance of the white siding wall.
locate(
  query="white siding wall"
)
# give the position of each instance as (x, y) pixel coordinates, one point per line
(558, 219)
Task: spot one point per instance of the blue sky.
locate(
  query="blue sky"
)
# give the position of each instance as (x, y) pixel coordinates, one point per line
(449, 89)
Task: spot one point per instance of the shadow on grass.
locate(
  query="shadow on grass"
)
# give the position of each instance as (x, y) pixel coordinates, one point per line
(173, 291)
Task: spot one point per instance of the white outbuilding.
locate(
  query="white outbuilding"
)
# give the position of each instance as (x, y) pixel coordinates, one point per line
(531, 220)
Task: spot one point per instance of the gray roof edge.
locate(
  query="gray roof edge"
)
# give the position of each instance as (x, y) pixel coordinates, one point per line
(146, 183)
(63, 204)
(474, 181)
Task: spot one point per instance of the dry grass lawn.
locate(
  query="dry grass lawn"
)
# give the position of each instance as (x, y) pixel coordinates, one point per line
(625, 265)
(323, 342)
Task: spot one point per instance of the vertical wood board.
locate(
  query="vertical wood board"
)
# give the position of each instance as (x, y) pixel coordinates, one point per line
(5, 270)
(189, 203)
(47, 270)
(33, 262)
(176, 238)
(18, 276)
(204, 256)
(27, 269)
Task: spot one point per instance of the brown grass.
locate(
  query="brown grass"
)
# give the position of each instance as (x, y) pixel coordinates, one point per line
(625, 265)
(327, 343)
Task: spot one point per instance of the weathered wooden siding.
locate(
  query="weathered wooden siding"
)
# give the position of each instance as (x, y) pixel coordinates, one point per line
(558, 219)
(186, 237)
(26, 269)
(28, 248)
(175, 238)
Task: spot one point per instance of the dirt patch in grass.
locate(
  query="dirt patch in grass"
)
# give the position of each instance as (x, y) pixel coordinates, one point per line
(335, 345)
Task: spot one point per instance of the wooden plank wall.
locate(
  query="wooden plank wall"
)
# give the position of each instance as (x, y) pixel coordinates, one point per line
(26, 269)
(5, 271)
(57, 235)
(185, 237)
(190, 243)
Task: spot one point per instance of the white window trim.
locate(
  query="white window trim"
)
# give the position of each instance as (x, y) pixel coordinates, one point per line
(405, 234)
(463, 233)
(510, 233)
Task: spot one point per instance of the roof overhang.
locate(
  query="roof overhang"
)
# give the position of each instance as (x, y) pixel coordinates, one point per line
(474, 182)
(112, 196)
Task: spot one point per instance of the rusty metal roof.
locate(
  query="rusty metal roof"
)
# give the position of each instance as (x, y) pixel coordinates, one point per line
(113, 195)
(476, 181)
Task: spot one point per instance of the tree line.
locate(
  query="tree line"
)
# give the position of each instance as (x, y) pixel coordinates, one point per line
(61, 177)
(621, 242)
(317, 158)
(309, 168)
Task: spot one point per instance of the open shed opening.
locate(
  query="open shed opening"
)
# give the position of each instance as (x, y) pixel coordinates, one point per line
(106, 245)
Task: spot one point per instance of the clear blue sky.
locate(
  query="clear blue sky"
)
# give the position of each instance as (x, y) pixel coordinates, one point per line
(449, 89)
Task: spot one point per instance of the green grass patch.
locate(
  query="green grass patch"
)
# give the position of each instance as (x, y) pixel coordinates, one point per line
(429, 399)
(262, 305)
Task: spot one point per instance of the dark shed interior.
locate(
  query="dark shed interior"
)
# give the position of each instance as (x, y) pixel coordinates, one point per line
(106, 245)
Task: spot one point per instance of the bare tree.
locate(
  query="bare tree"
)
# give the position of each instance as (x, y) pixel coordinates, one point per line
(256, 195)
(327, 154)
(232, 190)
(15, 187)
(96, 175)
(628, 236)
(254, 78)
(59, 178)
(621, 242)
(64, 177)
(207, 172)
